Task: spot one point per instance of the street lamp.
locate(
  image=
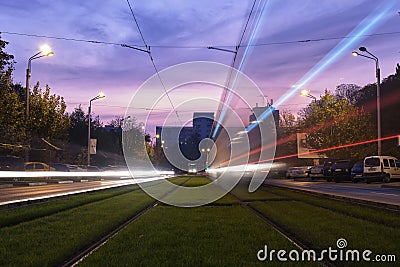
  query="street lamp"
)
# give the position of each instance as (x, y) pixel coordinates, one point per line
(99, 96)
(378, 81)
(45, 51)
(306, 93)
(208, 152)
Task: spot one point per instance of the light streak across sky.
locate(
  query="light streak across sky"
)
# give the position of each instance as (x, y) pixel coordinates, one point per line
(365, 27)
(261, 5)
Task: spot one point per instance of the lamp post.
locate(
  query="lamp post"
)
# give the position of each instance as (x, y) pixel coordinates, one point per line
(99, 96)
(378, 81)
(306, 93)
(45, 51)
(208, 152)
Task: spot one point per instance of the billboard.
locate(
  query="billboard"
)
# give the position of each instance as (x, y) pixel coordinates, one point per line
(304, 151)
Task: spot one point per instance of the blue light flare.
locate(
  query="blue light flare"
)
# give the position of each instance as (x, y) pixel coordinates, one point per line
(358, 34)
(248, 50)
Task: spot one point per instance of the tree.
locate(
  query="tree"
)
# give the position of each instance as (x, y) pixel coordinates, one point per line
(333, 122)
(348, 91)
(286, 134)
(12, 124)
(47, 116)
(78, 129)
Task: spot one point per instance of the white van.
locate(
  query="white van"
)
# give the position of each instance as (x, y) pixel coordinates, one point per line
(382, 168)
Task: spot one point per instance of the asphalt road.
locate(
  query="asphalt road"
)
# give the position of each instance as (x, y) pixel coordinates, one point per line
(369, 192)
(23, 193)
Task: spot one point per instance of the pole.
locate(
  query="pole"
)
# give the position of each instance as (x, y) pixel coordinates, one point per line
(378, 106)
(28, 76)
(88, 148)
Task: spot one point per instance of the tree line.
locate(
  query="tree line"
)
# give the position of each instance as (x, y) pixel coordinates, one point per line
(343, 123)
(50, 133)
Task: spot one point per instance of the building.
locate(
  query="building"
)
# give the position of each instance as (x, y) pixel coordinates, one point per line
(202, 125)
(257, 111)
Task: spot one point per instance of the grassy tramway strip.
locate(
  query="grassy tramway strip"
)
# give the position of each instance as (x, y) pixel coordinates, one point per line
(222, 233)
(320, 228)
(50, 240)
(21, 214)
(367, 213)
(201, 236)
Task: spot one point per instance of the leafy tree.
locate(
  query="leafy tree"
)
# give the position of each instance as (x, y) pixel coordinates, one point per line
(348, 91)
(78, 130)
(6, 60)
(333, 122)
(286, 134)
(47, 116)
(12, 124)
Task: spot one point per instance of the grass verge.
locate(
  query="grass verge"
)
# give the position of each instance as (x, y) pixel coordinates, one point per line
(202, 236)
(367, 213)
(48, 241)
(320, 228)
(15, 216)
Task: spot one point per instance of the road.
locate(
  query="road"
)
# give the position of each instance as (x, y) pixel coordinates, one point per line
(368, 192)
(25, 193)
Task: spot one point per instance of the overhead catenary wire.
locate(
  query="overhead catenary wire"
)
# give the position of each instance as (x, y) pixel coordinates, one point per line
(198, 46)
(152, 61)
(229, 77)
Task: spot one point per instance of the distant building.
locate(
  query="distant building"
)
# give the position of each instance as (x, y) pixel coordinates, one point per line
(202, 125)
(257, 111)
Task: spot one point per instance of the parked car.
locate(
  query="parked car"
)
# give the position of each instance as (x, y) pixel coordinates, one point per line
(60, 167)
(328, 169)
(92, 169)
(11, 163)
(76, 168)
(357, 171)
(384, 168)
(298, 172)
(37, 166)
(341, 170)
(317, 171)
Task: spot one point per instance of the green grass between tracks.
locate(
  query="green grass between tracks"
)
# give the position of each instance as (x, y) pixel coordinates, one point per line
(51, 232)
(219, 234)
(377, 215)
(14, 216)
(320, 228)
(202, 236)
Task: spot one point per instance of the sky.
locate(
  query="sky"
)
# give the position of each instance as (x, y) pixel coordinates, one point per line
(288, 45)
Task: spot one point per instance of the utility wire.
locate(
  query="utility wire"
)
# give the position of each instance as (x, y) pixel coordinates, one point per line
(199, 46)
(152, 61)
(137, 24)
(228, 81)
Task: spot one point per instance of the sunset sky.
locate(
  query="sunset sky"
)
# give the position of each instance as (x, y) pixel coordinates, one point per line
(294, 41)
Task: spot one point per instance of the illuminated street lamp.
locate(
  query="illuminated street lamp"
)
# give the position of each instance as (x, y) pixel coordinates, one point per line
(208, 152)
(306, 93)
(378, 81)
(99, 96)
(45, 51)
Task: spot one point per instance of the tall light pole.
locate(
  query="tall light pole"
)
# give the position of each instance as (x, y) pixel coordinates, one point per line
(45, 51)
(378, 93)
(208, 152)
(99, 96)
